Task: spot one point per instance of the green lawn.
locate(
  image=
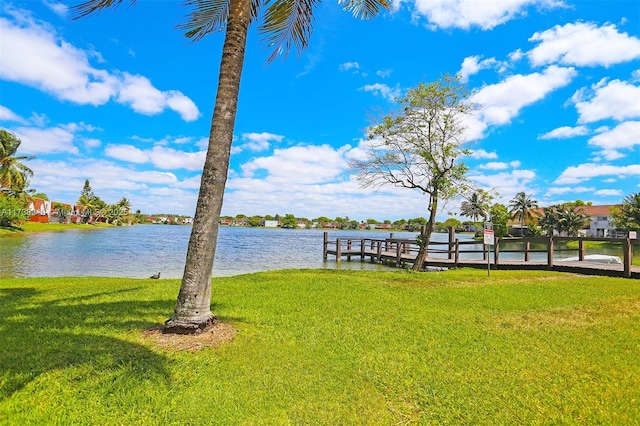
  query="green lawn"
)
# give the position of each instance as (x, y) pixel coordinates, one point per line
(327, 347)
(48, 227)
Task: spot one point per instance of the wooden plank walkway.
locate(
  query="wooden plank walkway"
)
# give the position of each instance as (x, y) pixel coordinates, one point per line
(402, 252)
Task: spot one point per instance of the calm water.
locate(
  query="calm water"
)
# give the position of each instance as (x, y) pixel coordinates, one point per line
(143, 250)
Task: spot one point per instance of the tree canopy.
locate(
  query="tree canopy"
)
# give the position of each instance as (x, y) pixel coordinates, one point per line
(14, 174)
(626, 216)
(419, 146)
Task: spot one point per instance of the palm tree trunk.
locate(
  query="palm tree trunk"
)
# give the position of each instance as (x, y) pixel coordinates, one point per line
(193, 307)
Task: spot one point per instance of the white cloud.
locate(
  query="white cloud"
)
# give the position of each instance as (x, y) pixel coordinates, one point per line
(57, 7)
(502, 101)
(33, 54)
(45, 141)
(189, 183)
(516, 55)
(608, 192)
(506, 183)
(7, 115)
(615, 99)
(584, 172)
(472, 65)
(160, 156)
(559, 190)
(109, 180)
(384, 73)
(139, 93)
(301, 164)
(624, 136)
(500, 165)
(583, 44)
(494, 165)
(380, 89)
(172, 159)
(466, 14)
(482, 154)
(91, 142)
(256, 142)
(183, 105)
(349, 66)
(126, 153)
(565, 132)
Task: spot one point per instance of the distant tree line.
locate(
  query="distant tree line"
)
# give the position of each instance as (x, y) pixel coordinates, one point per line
(561, 219)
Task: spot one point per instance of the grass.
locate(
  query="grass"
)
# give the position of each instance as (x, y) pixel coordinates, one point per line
(48, 227)
(327, 347)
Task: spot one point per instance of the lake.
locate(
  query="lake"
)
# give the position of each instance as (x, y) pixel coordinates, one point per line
(142, 250)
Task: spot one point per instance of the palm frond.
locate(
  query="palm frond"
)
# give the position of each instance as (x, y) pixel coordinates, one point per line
(365, 9)
(288, 23)
(91, 7)
(206, 16)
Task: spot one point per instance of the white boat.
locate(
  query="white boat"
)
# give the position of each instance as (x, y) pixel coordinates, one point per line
(595, 258)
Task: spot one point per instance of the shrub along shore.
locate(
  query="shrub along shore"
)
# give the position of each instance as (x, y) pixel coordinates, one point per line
(327, 347)
(50, 227)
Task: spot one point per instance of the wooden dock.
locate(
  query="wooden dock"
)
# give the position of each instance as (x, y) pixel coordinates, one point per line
(473, 254)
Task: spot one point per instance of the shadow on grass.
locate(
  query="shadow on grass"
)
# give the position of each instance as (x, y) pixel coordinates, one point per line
(11, 228)
(38, 337)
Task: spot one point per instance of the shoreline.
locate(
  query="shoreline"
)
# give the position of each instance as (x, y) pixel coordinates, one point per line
(35, 227)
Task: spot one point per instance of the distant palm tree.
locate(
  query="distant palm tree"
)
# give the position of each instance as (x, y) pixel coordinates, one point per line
(626, 216)
(549, 220)
(14, 175)
(521, 207)
(124, 205)
(285, 23)
(477, 206)
(571, 219)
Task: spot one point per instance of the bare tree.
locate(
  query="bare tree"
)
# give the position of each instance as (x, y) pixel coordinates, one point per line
(418, 148)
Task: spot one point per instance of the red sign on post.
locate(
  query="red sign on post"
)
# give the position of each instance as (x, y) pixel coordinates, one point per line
(488, 237)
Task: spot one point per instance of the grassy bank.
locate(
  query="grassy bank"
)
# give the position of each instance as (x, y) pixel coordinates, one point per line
(327, 347)
(49, 227)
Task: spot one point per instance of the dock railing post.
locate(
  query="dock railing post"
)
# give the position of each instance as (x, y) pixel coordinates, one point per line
(379, 252)
(527, 247)
(326, 244)
(457, 252)
(362, 243)
(496, 251)
(626, 254)
(580, 249)
(398, 254)
(550, 253)
(452, 237)
(338, 250)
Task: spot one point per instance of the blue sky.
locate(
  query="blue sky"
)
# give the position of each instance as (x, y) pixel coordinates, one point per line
(123, 99)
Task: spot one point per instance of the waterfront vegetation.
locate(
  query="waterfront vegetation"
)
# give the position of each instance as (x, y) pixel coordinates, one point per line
(49, 227)
(327, 347)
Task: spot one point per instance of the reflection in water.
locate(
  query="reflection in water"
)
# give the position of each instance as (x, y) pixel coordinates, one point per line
(142, 250)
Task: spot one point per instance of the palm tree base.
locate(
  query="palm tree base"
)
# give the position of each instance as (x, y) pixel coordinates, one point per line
(176, 326)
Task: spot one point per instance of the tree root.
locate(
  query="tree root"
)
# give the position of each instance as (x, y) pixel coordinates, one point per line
(176, 326)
